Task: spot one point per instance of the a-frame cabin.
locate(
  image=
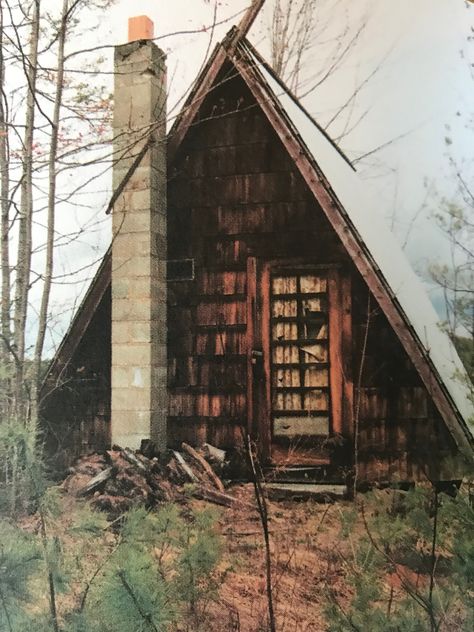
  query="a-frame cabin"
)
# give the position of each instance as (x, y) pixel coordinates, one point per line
(292, 313)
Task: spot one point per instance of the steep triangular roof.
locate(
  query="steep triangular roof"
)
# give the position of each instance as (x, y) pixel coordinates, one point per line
(357, 220)
(342, 196)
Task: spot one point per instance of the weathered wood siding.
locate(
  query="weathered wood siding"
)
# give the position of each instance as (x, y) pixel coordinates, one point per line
(237, 206)
(75, 404)
(401, 435)
(233, 194)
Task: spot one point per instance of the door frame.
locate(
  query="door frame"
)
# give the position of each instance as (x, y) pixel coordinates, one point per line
(259, 389)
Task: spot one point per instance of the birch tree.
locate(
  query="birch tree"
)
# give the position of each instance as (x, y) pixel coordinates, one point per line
(44, 133)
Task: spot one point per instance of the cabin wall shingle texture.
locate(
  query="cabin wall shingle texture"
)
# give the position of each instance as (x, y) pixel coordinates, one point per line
(75, 403)
(233, 192)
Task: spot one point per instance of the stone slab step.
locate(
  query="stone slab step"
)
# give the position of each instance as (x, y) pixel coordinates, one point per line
(306, 491)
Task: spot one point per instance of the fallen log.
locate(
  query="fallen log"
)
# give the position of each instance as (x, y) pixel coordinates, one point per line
(95, 482)
(184, 467)
(204, 466)
(213, 496)
(213, 453)
(134, 460)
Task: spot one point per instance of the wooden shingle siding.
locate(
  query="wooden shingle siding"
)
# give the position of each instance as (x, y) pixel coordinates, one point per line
(235, 196)
(76, 400)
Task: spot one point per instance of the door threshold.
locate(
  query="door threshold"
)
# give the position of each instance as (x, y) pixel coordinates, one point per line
(300, 474)
(319, 492)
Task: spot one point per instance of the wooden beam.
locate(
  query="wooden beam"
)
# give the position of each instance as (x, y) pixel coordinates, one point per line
(251, 318)
(79, 324)
(335, 350)
(249, 18)
(203, 86)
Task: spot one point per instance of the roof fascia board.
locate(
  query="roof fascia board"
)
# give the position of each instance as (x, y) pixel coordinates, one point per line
(82, 318)
(246, 23)
(202, 87)
(296, 101)
(355, 247)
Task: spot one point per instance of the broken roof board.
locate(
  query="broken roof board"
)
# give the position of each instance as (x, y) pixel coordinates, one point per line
(365, 214)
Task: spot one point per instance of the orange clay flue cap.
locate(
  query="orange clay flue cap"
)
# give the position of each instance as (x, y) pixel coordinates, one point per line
(140, 27)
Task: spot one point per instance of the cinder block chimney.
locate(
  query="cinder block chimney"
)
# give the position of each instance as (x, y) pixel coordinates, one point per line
(139, 390)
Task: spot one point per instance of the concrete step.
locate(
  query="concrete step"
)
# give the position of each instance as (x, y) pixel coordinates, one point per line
(306, 491)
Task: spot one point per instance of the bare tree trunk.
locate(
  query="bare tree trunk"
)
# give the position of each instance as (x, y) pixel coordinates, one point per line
(22, 281)
(5, 234)
(52, 177)
(263, 514)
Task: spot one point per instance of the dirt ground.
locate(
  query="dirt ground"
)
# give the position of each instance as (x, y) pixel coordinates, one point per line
(304, 561)
(309, 556)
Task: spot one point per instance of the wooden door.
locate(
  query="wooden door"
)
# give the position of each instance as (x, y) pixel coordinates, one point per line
(305, 323)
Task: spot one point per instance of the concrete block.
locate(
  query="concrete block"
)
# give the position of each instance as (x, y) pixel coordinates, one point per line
(120, 288)
(131, 355)
(120, 332)
(132, 399)
(140, 332)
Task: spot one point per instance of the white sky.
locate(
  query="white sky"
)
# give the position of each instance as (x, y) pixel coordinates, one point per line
(422, 84)
(420, 87)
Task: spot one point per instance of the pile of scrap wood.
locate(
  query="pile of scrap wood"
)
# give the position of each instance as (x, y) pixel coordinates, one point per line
(121, 478)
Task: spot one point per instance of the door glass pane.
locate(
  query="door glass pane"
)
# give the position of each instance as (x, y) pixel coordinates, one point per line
(312, 283)
(313, 376)
(312, 306)
(315, 353)
(286, 377)
(284, 308)
(285, 354)
(316, 400)
(315, 330)
(284, 331)
(287, 401)
(284, 285)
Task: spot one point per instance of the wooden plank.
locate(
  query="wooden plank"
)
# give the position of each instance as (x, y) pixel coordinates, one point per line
(96, 482)
(204, 465)
(412, 403)
(223, 372)
(213, 496)
(221, 343)
(246, 22)
(247, 157)
(265, 422)
(297, 426)
(346, 351)
(251, 318)
(184, 467)
(222, 283)
(335, 351)
(221, 313)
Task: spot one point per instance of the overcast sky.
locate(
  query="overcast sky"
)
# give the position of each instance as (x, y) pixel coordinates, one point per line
(423, 91)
